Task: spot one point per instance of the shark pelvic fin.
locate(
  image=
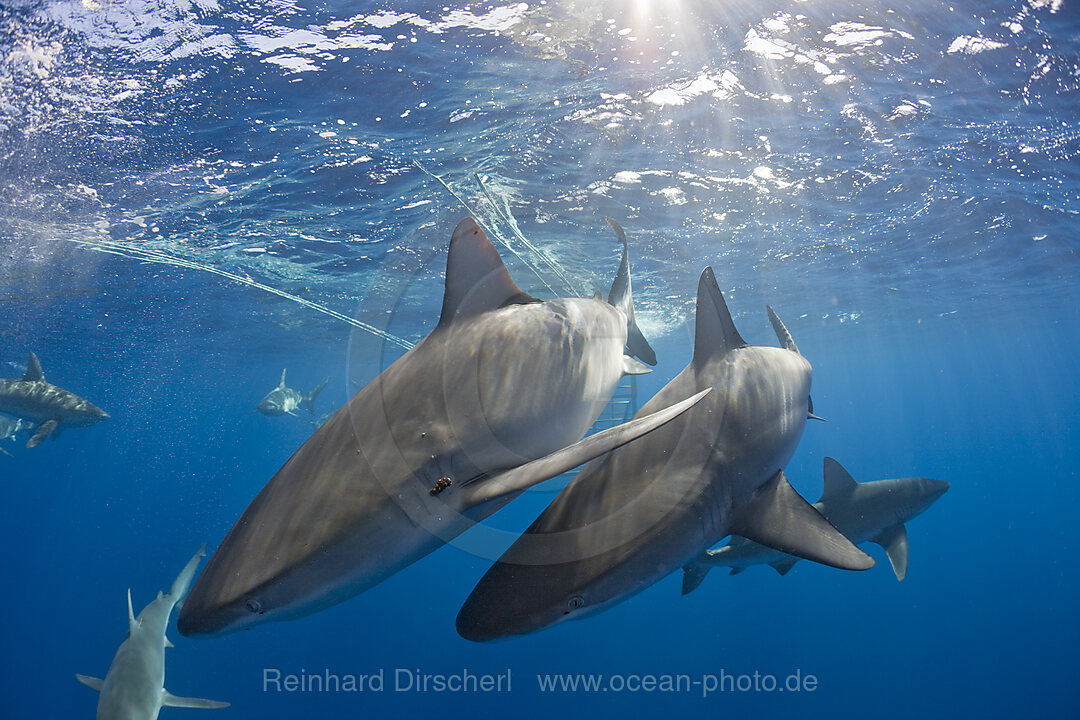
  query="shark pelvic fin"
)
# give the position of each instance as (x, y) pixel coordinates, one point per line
(90, 682)
(780, 518)
(838, 481)
(622, 297)
(476, 279)
(170, 700)
(783, 566)
(523, 477)
(33, 370)
(42, 432)
(894, 540)
(715, 332)
(693, 574)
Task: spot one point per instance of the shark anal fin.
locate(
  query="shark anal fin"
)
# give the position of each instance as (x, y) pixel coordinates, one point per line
(523, 477)
(33, 370)
(783, 566)
(715, 333)
(780, 518)
(894, 540)
(42, 432)
(90, 682)
(693, 575)
(476, 279)
(837, 480)
(170, 700)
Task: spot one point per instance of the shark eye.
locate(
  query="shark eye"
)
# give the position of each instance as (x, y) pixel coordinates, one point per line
(574, 603)
(254, 606)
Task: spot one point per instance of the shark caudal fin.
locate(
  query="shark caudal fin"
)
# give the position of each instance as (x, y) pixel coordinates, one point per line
(780, 518)
(622, 297)
(183, 580)
(170, 700)
(715, 333)
(309, 399)
(476, 279)
(693, 575)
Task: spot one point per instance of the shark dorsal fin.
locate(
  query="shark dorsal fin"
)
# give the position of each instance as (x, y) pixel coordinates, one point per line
(476, 279)
(780, 518)
(715, 332)
(282, 383)
(33, 370)
(837, 480)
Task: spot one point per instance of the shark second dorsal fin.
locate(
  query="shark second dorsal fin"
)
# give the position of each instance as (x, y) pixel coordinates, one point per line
(837, 480)
(715, 332)
(780, 518)
(33, 370)
(476, 279)
(894, 540)
(282, 383)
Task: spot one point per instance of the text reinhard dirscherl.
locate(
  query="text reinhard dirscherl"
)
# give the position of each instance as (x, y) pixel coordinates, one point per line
(410, 680)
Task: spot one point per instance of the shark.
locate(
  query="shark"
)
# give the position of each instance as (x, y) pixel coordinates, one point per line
(53, 408)
(495, 399)
(134, 687)
(11, 427)
(631, 517)
(283, 400)
(875, 511)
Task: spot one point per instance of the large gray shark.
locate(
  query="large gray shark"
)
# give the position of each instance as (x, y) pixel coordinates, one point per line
(134, 687)
(283, 400)
(865, 512)
(631, 517)
(32, 398)
(491, 402)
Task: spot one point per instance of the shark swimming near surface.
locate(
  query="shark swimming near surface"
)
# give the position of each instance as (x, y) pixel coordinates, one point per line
(636, 514)
(134, 687)
(493, 401)
(283, 400)
(865, 512)
(55, 409)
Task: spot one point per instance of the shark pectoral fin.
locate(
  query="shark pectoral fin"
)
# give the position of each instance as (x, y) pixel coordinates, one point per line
(736, 570)
(692, 575)
(90, 682)
(894, 540)
(630, 366)
(132, 622)
(476, 279)
(523, 477)
(170, 700)
(780, 518)
(2, 450)
(783, 566)
(838, 481)
(42, 432)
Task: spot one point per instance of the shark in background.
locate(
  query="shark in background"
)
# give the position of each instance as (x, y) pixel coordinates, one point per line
(134, 687)
(283, 400)
(865, 512)
(11, 428)
(644, 510)
(493, 401)
(53, 408)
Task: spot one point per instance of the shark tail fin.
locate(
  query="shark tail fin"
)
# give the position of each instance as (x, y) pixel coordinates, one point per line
(183, 580)
(90, 682)
(693, 574)
(170, 700)
(309, 399)
(622, 297)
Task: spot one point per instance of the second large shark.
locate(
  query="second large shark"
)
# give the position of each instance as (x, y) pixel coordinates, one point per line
(631, 517)
(491, 402)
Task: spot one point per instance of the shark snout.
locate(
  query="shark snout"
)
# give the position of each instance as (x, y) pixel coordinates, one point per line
(936, 488)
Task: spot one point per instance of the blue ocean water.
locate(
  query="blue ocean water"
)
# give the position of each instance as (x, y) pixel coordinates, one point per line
(195, 194)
